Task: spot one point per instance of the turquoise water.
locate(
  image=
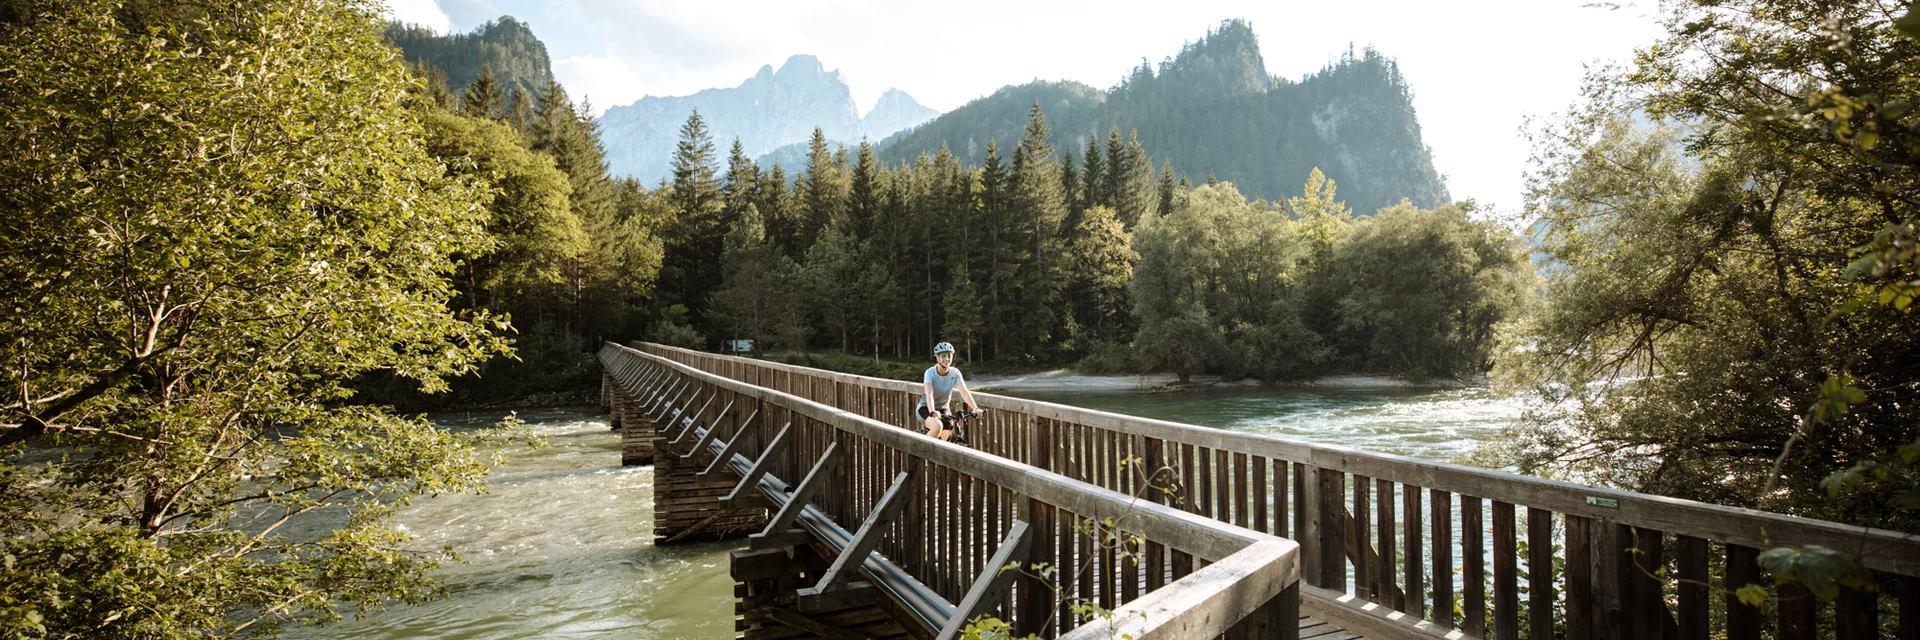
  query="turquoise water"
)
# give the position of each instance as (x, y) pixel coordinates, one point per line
(562, 547)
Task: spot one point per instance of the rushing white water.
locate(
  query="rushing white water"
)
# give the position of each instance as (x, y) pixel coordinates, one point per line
(561, 546)
(1438, 424)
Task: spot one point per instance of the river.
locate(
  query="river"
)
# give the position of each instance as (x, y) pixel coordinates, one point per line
(561, 546)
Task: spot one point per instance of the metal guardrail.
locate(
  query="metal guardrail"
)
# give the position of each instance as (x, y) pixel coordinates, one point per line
(934, 522)
(1395, 546)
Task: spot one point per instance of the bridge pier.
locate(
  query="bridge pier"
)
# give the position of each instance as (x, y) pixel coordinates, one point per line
(766, 586)
(686, 505)
(636, 428)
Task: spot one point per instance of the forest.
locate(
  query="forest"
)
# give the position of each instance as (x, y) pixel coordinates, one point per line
(238, 234)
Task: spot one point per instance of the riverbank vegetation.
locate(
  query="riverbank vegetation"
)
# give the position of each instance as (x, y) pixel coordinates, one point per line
(1729, 224)
(217, 217)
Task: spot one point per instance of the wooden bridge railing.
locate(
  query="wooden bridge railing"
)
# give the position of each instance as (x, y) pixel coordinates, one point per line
(940, 520)
(1394, 546)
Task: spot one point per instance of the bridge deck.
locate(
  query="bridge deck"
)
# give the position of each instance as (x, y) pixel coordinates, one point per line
(1312, 629)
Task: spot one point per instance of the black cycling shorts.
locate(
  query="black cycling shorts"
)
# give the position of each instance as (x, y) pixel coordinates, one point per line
(923, 411)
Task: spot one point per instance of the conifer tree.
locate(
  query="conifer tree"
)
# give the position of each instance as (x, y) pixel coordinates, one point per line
(819, 190)
(1117, 171)
(436, 80)
(697, 233)
(1070, 188)
(1038, 210)
(519, 112)
(620, 265)
(1136, 188)
(753, 292)
(738, 191)
(1093, 191)
(998, 277)
(1102, 264)
(1167, 188)
(778, 211)
(864, 197)
(947, 230)
(962, 323)
(482, 98)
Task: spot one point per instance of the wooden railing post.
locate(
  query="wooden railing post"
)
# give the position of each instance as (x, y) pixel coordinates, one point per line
(1612, 580)
(1327, 529)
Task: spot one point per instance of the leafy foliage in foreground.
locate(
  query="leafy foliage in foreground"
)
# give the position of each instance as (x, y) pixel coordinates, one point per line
(1731, 225)
(215, 216)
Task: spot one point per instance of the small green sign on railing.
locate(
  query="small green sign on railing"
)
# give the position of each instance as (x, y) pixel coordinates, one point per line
(1605, 503)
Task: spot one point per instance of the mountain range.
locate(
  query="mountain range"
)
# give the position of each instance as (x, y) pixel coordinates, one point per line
(767, 111)
(1212, 111)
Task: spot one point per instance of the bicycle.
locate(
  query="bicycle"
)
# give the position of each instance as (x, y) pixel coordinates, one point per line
(956, 422)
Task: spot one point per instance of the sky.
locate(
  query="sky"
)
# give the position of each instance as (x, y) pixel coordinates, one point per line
(1478, 69)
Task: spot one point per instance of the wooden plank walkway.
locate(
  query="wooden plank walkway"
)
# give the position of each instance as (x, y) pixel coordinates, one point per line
(1312, 629)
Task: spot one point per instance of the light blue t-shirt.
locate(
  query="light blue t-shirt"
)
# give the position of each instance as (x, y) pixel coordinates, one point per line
(943, 386)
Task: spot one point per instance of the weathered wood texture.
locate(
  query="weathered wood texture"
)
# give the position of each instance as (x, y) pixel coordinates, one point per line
(765, 582)
(955, 507)
(1443, 547)
(636, 430)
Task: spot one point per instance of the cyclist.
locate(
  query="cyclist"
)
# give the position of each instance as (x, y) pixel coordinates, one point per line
(941, 379)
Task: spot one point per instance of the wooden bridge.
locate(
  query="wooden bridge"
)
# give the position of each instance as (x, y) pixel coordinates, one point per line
(1151, 529)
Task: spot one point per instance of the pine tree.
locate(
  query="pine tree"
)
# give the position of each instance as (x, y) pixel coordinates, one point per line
(623, 257)
(1102, 264)
(819, 190)
(1070, 188)
(697, 233)
(778, 211)
(994, 238)
(1039, 209)
(519, 113)
(436, 81)
(482, 99)
(1118, 170)
(1167, 188)
(1135, 187)
(739, 190)
(747, 302)
(864, 197)
(963, 325)
(1093, 191)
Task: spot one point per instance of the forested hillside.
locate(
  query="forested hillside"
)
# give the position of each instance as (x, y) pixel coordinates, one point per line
(506, 46)
(1214, 110)
(1043, 254)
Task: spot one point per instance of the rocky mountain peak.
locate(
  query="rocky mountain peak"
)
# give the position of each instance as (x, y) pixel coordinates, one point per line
(1225, 62)
(801, 67)
(771, 109)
